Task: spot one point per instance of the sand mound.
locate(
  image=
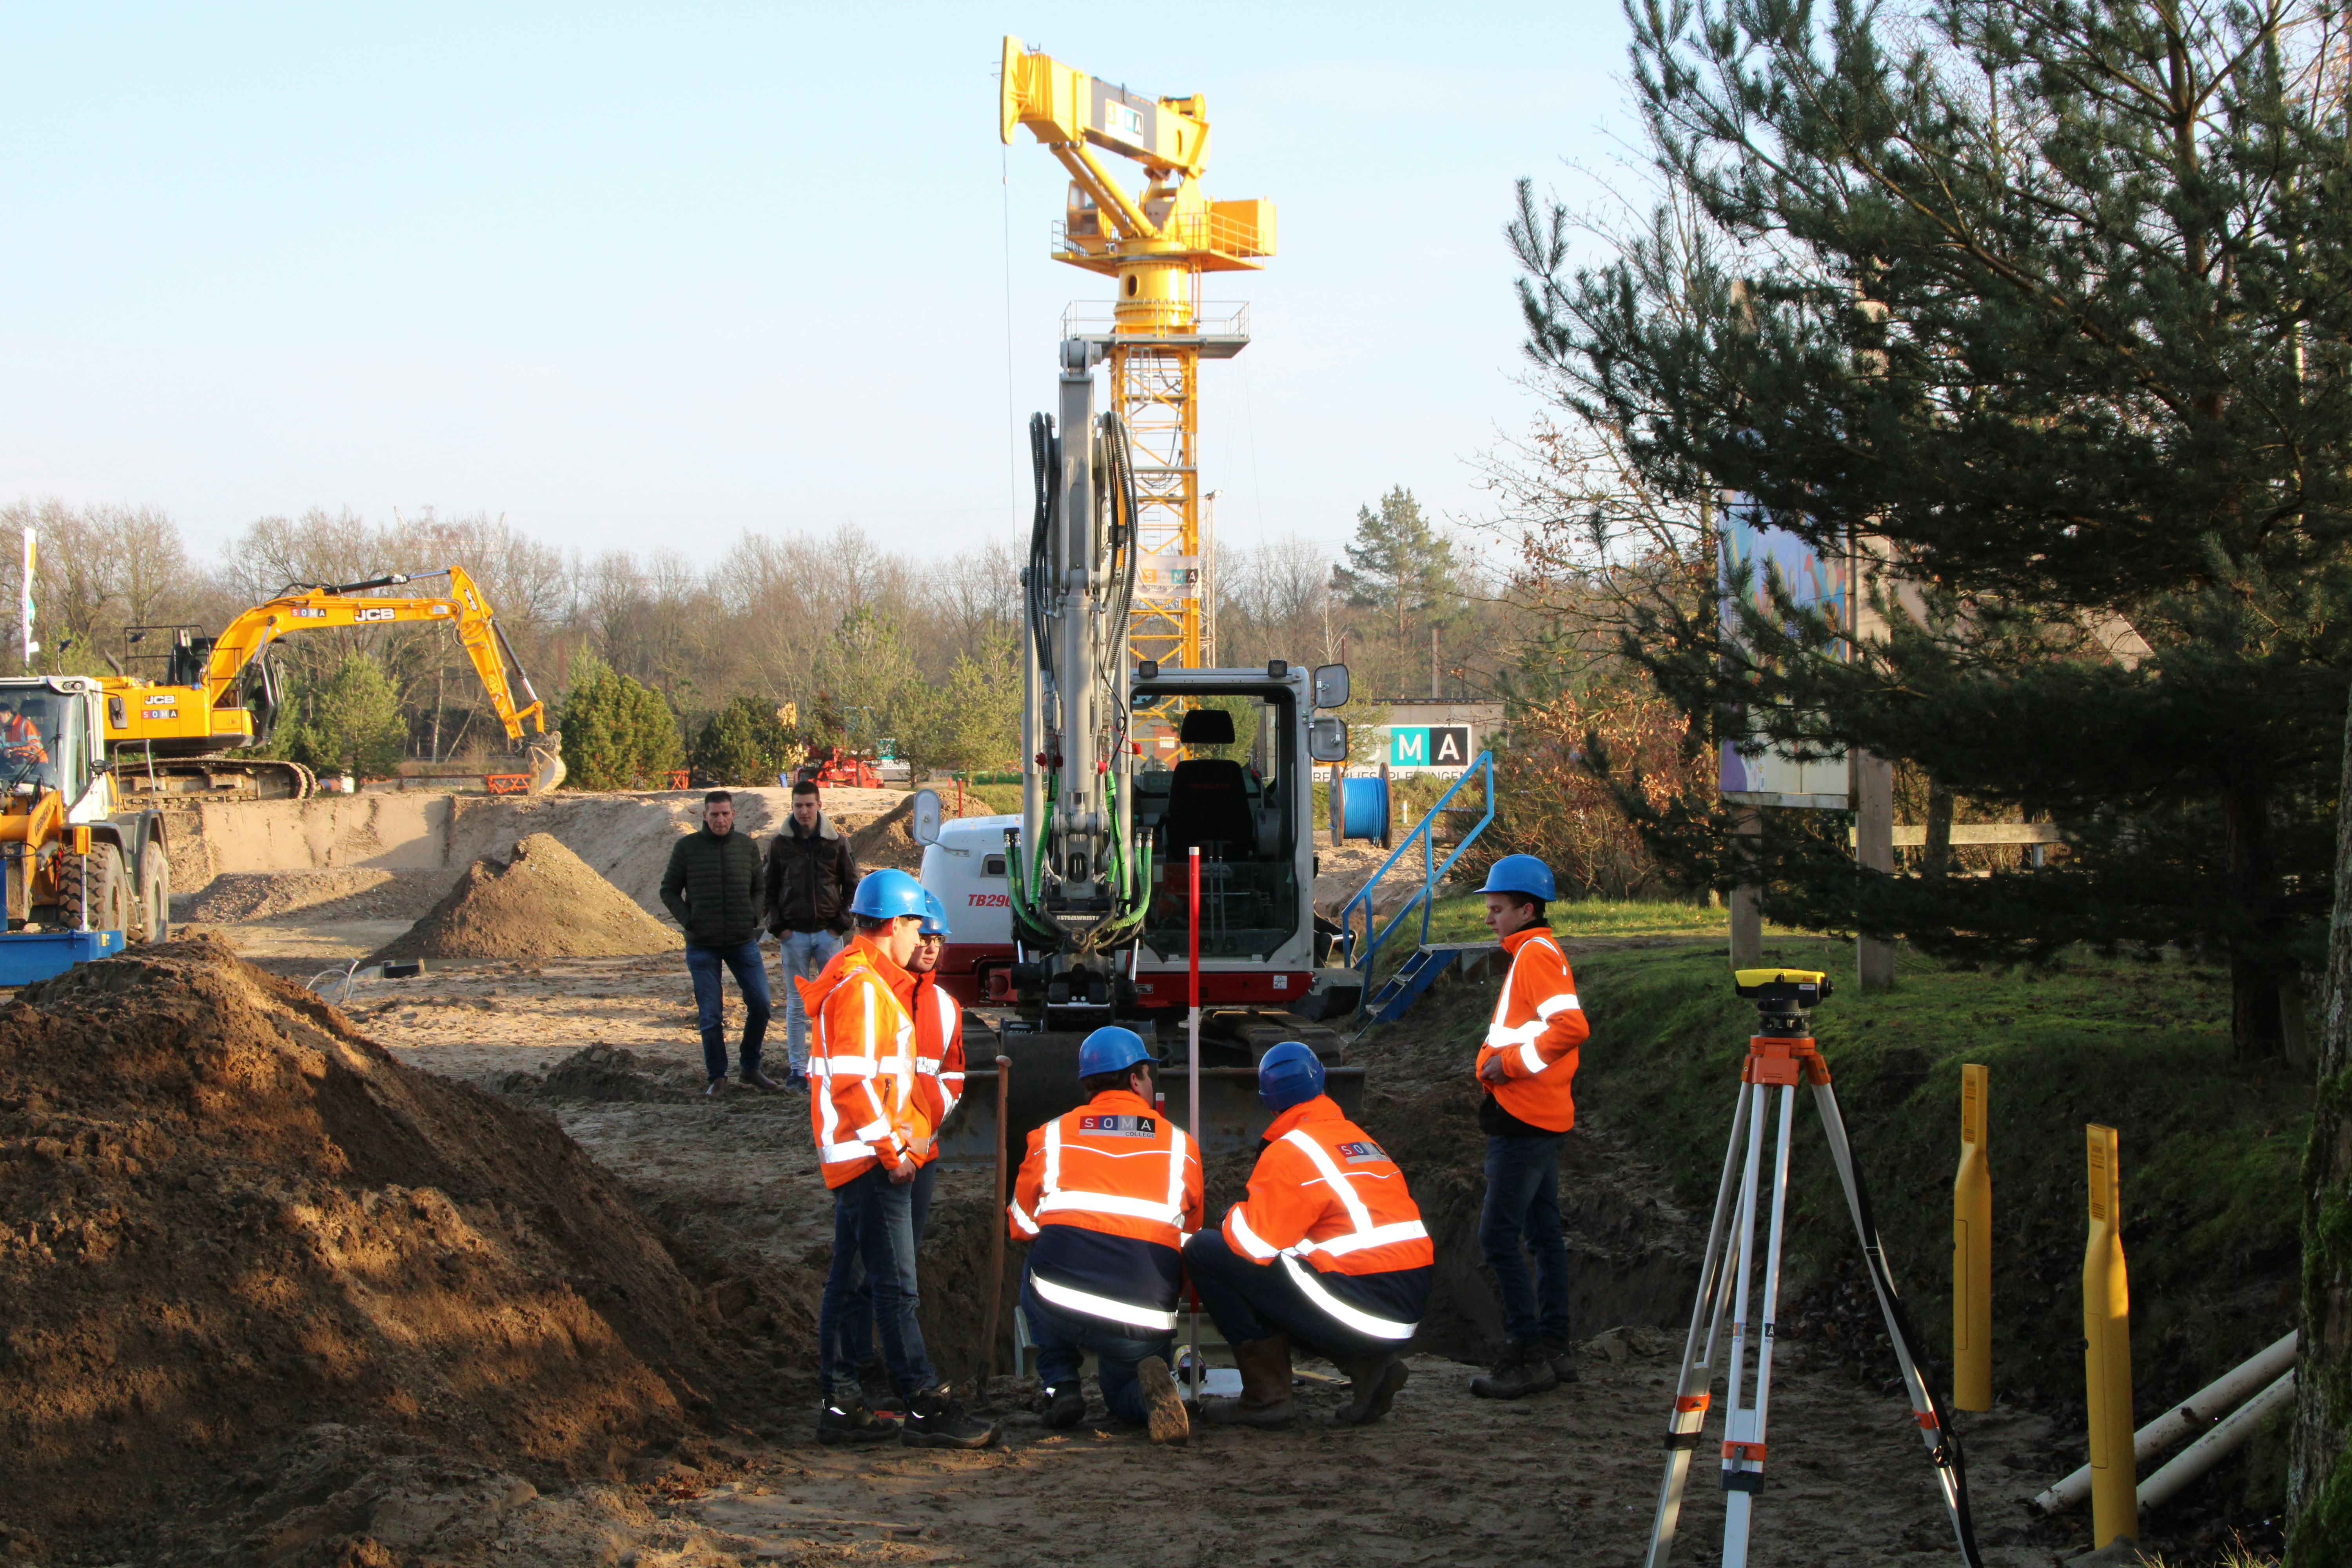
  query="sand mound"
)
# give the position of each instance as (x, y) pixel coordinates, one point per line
(356, 895)
(227, 1219)
(545, 903)
(603, 1072)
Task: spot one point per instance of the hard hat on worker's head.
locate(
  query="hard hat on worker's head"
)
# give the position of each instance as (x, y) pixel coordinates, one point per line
(886, 894)
(935, 915)
(1112, 1049)
(1523, 875)
(1290, 1074)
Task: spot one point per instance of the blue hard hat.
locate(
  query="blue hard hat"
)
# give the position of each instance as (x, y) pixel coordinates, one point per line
(1112, 1049)
(1521, 874)
(935, 915)
(885, 894)
(1290, 1074)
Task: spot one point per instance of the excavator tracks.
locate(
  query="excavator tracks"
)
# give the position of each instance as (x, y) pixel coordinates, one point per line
(182, 781)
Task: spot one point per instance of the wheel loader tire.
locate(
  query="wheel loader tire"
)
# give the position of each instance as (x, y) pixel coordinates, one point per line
(95, 881)
(154, 903)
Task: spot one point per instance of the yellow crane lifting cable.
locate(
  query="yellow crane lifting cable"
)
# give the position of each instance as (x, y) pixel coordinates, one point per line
(1156, 244)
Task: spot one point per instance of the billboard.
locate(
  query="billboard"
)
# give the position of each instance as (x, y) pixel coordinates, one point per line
(1753, 543)
(1430, 748)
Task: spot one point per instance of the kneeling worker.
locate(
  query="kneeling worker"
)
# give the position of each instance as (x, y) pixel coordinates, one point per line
(1107, 1196)
(1328, 1250)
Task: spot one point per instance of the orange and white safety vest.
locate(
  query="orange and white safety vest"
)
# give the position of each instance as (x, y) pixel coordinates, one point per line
(1328, 1201)
(1107, 1195)
(1537, 1030)
(861, 1069)
(939, 1056)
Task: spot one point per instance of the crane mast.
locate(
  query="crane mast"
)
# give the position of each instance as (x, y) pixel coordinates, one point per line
(1156, 245)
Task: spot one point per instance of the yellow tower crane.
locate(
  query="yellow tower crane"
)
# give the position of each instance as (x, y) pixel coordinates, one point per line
(1154, 336)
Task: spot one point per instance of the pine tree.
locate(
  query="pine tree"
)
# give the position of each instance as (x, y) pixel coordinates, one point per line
(2053, 307)
(617, 733)
(1398, 565)
(350, 724)
(743, 743)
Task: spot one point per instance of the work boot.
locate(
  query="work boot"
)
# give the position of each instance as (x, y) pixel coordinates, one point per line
(761, 1081)
(1067, 1407)
(1266, 1399)
(1373, 1384)
(847, 1420)
(715, 1088)
(1163, 1405)
(1562, 1357)
(935, 1421)
(1522, 1371)
(881, 1394)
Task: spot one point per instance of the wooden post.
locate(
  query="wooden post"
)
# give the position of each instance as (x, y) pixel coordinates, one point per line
(1874, 832)
(1972, 1249)
(1747, 901)
(2106, 1354)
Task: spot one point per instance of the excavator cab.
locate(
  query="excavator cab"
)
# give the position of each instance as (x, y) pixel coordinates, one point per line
(1229, 797)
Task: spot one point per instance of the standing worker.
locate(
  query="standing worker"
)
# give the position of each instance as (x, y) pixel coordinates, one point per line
(869, 1127)
(714, 890)
(938, 1085)
(1107, 1196)
(1525, 1067)
(812, 872)
(1328, 1250)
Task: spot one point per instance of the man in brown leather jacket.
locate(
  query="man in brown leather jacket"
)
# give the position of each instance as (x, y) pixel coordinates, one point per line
(812, 875)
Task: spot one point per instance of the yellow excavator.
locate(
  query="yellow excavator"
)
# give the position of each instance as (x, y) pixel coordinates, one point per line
(168, 739)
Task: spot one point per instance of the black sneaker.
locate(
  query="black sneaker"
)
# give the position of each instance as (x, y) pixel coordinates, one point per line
(1065, 1407)
(935, 1421)
(1563, 1360)
(849, 1421)
(1519, 1373)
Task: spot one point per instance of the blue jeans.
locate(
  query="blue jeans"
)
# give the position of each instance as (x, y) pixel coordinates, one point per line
(750, 971)
(873, 1223)
(1063, 1339)
(804, 953)
(857, 1318)
(1523, 1207)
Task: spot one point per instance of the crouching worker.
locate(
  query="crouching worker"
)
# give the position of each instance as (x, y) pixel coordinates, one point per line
(1329, 1252)
(870, 1134)
(1107, 1196)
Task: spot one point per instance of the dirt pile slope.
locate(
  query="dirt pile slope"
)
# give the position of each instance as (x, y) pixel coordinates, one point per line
(228, 1222)
(545, 903)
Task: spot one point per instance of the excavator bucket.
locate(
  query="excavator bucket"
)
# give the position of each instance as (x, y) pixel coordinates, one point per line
(546, 769)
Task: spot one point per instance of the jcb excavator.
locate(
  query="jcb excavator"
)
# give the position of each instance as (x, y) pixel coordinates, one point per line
(167, 738)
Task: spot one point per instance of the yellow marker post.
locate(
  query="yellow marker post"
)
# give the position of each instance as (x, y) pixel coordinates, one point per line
(2106, 1355)
(1972, 1250)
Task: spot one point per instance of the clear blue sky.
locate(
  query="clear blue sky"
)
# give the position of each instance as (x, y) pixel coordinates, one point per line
(652, 276)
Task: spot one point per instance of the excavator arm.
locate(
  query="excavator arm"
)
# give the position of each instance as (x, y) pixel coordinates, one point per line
(322, 609)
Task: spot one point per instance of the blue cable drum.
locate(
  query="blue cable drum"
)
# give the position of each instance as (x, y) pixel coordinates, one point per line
(1363, 808)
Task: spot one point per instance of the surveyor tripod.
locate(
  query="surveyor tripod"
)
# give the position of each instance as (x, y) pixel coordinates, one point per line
(1779, 1058)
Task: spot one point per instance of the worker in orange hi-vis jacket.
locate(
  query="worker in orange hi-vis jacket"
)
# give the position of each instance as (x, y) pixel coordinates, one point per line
(939, 1086)
(1526, 1066)
(868, 1127)
(1329, 1251)
(1106, 1197)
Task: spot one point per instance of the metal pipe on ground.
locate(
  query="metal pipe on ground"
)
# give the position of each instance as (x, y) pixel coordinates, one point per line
(2204, 1408)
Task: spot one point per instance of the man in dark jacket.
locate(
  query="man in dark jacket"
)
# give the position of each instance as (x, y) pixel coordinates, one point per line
(714, 889)
(811, 876)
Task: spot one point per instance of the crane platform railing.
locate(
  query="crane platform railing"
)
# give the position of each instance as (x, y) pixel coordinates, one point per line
(1433, 871)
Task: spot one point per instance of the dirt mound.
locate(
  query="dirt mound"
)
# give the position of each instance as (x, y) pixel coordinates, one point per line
(600, 1072)
(227, 1219)
(355, 895)
(545, 903)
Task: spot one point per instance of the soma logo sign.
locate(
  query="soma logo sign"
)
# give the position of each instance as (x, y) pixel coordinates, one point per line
(1429, 746)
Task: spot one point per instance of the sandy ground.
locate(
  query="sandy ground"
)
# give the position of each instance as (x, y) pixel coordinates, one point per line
(1571, 1476)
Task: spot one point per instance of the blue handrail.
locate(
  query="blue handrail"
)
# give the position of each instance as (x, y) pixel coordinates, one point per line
(1431, 874)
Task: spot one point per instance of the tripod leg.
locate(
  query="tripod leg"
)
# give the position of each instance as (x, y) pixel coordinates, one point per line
(1693, 1390)
(1935, 1424)
(1734, 1416)
(1743, 1435)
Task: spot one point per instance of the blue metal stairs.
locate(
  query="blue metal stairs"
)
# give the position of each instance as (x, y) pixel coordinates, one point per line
(1429, 959)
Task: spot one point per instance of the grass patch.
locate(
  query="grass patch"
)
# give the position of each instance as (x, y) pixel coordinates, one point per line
(2211, 1149)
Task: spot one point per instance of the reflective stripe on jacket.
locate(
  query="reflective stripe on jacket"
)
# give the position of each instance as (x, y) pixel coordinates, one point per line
(861, 1063)
(1108, 1194)
(939, 1056)
(1330, 1202)
(1537, 1029)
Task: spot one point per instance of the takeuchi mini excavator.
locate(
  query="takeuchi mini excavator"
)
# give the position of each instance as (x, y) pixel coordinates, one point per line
(168, 739)
(1080, 911)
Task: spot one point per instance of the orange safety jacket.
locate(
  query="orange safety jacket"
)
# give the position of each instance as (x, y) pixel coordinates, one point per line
(1326, 1193)
(1108, 1195)
(939, 1056)
(18, 733)
(862, 1102)
(1537, 1028)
